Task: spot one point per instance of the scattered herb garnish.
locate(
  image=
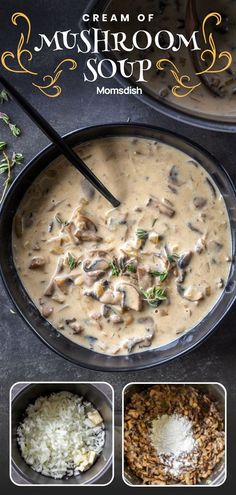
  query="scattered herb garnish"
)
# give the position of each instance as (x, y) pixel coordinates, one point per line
(154, 296)
(142, 234)
(173, 257)
(163, 275)
(4, 96)
(154, 221)
(13, 127)
(72, 261)
(115, 269)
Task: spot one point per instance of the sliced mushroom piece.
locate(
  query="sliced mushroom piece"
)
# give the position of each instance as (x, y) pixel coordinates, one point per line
(91, 277)
(63, 283)
(87, 236)
(116, 219)
(37, 262)
(111, 314)
(131, 343)
(97, 291)
(164, 206)
(98, 264)
(192, 293)
(199, 202)
(131, 298)
(146, 341)
(181, 276)
(84, 223)
(145, 279)
(200, 245)
(76, 327)
(185, 259)
(110, 297)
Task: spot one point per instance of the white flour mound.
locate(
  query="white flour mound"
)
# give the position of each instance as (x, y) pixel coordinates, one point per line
(172, 437)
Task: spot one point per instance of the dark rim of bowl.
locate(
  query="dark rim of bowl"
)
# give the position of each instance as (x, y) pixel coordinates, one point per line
(44, 330)
(176, 113)
(109, 461)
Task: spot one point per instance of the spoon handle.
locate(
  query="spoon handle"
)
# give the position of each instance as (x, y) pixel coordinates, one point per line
(53, 135)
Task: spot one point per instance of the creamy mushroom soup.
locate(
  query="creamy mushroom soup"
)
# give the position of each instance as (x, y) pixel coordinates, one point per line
(132, 278)
(218, 99)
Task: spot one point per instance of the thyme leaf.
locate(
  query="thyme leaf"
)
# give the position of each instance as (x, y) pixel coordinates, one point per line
(4, 96)
(142, 234)
(154, 296)
(173, 258)
(163, 275)
(72, 261)
(2, 145)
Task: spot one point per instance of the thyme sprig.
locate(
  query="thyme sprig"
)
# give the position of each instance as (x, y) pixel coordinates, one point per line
(15, 130)
(16, 159)
(154, 296)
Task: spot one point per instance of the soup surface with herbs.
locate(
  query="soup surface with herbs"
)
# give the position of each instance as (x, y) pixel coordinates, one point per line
(127, 279)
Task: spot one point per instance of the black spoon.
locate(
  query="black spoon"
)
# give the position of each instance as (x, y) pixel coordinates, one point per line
(68, 152)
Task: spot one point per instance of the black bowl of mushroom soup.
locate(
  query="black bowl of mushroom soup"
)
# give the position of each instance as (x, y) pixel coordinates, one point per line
(125, 288)
(208, 101)
(72, 423)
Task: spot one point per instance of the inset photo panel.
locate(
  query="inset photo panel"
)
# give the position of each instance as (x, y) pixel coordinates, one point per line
(174, 434)
(61, 433)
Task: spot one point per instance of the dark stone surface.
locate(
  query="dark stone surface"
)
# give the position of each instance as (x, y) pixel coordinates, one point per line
(23, 356)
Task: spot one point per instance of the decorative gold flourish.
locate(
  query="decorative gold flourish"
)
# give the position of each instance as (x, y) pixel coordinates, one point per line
(213, 52)
(183, 89)
(51, 84)
(181, 80)
(21, 52)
